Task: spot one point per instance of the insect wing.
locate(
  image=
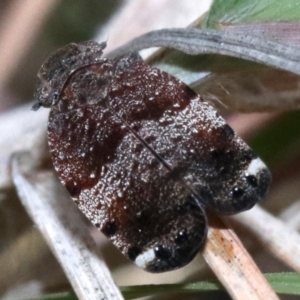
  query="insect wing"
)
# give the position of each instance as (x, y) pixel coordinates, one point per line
(117, 182)
(189, 137)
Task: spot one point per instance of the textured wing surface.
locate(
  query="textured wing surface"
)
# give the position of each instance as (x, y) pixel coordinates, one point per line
(194, 142)
(117, 182)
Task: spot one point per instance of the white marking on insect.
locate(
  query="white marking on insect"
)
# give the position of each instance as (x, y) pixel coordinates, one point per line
(255, 167)
(143, 259)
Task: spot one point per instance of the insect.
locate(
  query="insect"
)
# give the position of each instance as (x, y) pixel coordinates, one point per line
(143, 155)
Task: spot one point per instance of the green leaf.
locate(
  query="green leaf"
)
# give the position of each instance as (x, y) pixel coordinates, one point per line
(132, 292)
(285, 283)
(282, 283)
(232, 11)
(57, 296)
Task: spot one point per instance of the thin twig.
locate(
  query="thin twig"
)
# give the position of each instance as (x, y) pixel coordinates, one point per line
(291, 215)
(21, 130)
(233, 265)
(281, 240)
(64, 229)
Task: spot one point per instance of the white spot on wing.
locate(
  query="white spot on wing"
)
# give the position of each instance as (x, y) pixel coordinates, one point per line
(146, 257)
(255, 167)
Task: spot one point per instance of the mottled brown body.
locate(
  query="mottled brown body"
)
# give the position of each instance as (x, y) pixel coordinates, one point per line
(142, 154)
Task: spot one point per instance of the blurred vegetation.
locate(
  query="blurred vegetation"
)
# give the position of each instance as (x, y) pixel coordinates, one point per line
(71, 21)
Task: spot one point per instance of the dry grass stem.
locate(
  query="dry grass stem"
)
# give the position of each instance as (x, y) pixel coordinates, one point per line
(281, 240)
(21, 130)
(64, 229)
(233, 265)
(286, 32)
(291, 215)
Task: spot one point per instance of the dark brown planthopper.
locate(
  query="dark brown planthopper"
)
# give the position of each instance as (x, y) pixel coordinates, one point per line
(142, 154)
